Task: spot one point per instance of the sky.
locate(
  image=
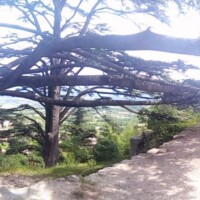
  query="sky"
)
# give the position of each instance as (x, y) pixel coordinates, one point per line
(186, 26)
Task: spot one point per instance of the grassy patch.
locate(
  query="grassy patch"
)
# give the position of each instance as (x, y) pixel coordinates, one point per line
(54, 172)
(82, 169)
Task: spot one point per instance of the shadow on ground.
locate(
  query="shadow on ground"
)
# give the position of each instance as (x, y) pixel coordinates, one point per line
(171, 175)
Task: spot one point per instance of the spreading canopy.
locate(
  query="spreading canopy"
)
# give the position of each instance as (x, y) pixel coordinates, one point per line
(62, 51)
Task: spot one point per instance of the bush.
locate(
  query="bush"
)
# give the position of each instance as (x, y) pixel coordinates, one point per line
(16, 144)
(34, 160)
(19, 160)
(83, 154)
(166, 121)
(105, 150)
(67, 158)
(69, 145)
(91, 163)
(123, 139)
(12, 161)
(73, 151)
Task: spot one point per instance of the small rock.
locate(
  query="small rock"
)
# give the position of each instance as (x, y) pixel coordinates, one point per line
(179, 136)
(101, 174)
(156, 151)
(162, 151)
(73, 178)
(153, 151)
(61, 179)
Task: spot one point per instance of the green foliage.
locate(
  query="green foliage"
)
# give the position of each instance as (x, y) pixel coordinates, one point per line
(92, 162)
(81, 169)
(12, 161)
(108, 128)
(68, 145)
(4, 146)
(166, 121)
(74, 151)
(81, 123)
(67, 158)
(57, 171)
(17, 144)
(83, 154)
(105, 150)
(123, 139)
(111, 123)
(74, 145)
(34, 160)
(63, 170)
(20, 160)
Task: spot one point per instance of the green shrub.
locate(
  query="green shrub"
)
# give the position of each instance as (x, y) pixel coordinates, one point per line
(83, 154)
(165, 121)
(123, 139)
(69, 145)
(74, 151)
(12, 161)
(16, 144)
(91, 163)
(19, 160)
(34, 161)
(67, 158)
(105, 150)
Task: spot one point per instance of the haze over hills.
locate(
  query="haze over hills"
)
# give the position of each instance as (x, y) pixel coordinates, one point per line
(120, 115)
(11, 102)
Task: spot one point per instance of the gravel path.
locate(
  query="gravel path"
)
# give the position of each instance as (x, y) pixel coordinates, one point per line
(171, 172)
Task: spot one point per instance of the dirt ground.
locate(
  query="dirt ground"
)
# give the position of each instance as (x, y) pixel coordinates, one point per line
(171, 172)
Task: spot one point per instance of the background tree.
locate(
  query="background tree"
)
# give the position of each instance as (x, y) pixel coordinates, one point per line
(64, 39)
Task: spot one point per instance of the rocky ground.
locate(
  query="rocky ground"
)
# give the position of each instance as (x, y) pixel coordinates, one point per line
(168, 173)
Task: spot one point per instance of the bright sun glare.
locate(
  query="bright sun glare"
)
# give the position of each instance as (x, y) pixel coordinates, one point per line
(183, 25)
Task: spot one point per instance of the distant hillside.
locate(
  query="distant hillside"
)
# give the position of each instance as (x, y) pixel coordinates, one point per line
(118, 114)
(119, 117)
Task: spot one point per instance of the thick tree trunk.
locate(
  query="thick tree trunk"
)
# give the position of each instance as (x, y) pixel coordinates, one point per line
(51, 148)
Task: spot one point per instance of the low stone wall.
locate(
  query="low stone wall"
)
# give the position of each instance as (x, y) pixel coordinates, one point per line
(141, 143)
(135, 144)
